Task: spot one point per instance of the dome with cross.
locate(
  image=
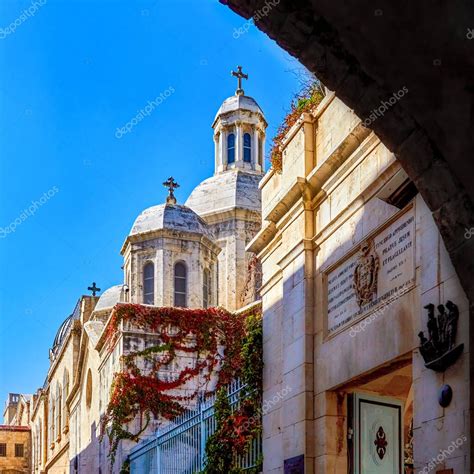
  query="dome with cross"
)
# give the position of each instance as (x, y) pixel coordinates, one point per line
(171, 217)
(238, 102)
(239, 132)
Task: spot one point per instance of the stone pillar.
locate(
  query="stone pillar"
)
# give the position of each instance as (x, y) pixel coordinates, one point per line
(238, 145)
(217, 149)
(223, 150)
(255, 147)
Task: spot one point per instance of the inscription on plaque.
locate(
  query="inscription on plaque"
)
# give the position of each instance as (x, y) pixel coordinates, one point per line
(379, 270)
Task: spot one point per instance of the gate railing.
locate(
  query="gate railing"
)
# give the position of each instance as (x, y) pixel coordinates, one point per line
(179, 448)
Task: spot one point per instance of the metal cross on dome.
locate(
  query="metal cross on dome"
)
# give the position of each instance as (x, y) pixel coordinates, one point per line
(93, 288)
(239, 75)
(171, 184)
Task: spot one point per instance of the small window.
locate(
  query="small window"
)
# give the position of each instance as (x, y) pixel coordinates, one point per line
(247, 148)
(3, 450)
(206, 288)
(180, 284)
(231, 148)
(89, 389)
(19, 451)
(149, 283)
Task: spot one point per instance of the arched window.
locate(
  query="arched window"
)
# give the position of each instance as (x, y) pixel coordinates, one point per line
(247, 148)
(59, 407)
(149, 283)
(89, 389)
(180, 284)
(51, 419)
(231, 148)
(65, 395)
(206, 288)
(40, 441)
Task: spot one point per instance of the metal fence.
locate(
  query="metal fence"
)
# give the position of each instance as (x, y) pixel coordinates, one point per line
(179, 448)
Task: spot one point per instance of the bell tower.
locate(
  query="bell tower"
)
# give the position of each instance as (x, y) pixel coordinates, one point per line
(239, 132)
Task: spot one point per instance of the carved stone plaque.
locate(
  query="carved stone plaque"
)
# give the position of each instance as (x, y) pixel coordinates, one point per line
(380, 269)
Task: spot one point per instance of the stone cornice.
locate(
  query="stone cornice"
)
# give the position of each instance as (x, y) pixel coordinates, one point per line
(302, 246)
(323, 172)
(229, 213)
(309, 187)
(337, 221)
(262, 238)
(169, 234)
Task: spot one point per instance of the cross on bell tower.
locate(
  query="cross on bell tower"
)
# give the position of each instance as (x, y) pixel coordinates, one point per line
(239, 75)
(171, 184)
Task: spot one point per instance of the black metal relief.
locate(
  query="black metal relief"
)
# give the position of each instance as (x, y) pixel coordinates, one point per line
(381, 442)
(440, 351)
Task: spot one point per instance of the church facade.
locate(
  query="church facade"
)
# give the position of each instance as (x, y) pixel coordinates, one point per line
(177, 255)
(365, 323)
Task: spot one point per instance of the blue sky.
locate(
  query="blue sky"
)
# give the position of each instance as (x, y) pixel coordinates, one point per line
(72, 73)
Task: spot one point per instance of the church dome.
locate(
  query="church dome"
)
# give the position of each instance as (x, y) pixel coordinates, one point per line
(231, 189)
(170, 217)
(238, 102)
(109, 298)
(62, 332)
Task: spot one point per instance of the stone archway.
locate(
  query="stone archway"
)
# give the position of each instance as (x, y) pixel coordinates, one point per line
(366, 55)
(365, 52)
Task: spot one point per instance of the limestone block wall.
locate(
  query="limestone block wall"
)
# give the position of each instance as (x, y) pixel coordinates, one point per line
(233, 234)
(437, 428)
(11, 435)
(335, 123)
(304, 234)
(85, 450)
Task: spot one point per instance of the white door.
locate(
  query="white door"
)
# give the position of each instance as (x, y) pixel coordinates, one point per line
(378, 432)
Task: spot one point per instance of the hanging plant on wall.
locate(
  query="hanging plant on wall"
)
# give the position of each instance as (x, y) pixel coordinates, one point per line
(235, 431)
(307, 99)
(211, 337)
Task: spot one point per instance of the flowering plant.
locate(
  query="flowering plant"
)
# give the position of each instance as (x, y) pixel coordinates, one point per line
(308, 98)
(212, 338)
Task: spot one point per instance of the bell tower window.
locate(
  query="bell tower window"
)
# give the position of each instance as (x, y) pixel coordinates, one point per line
(247, 148)
(180, 285)
(231, 148)
(149, 283)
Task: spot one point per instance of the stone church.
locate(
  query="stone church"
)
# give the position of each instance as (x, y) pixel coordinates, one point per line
(189, 255)
(365, 323)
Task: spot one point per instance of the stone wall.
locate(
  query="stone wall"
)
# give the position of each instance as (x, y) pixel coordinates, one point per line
(11, 435)
(311, 228)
